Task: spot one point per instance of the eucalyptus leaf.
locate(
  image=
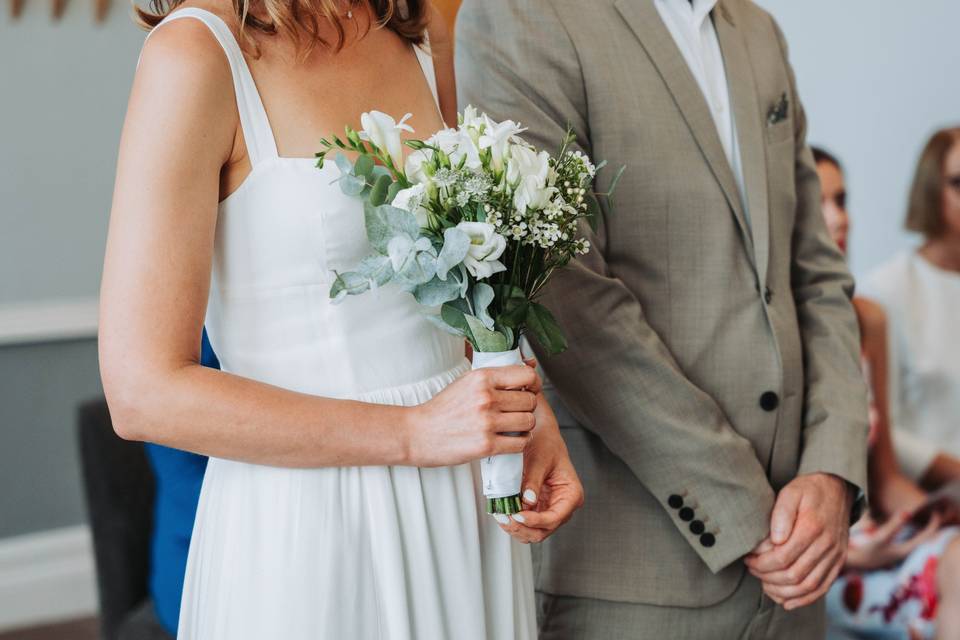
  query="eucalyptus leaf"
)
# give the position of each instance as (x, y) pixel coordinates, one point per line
(352, 185)
(544, 327)
(418, 270)
(376, 269)
(393, 190)
(482, 297)
(384, 223)
(453, 315)
(456, 244)
(363, 166)
(401, 250)
(484, 339)
(436, 292)
(344, 164)
(346, 284)
(381, 186)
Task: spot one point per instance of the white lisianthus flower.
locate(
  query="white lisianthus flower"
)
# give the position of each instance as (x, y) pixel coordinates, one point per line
(457, 144)
(496, 137)
(529, 172)
(383, 132)
(411, 199)
(486, 247)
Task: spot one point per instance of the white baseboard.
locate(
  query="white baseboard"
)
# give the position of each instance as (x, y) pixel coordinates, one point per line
(48, 320)
(47, 577)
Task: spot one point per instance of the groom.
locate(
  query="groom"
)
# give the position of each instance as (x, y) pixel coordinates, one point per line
(717, 413)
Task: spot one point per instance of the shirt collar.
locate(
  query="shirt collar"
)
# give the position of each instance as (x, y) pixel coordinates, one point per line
(698, 10)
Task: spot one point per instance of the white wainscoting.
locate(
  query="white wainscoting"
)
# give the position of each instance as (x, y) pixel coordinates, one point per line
(46, 577)
(48, 320)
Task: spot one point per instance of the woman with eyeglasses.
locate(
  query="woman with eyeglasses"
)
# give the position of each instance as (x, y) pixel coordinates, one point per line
(920, 290)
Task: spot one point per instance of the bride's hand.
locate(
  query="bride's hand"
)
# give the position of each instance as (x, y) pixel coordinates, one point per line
(465, 421)
(551, 487)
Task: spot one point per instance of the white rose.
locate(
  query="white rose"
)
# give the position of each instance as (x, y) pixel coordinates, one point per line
(383, 132)
(411, 200)
(496, 137)
(486, 247)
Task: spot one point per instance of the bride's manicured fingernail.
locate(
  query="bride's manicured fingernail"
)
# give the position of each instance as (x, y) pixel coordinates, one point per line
(501, 518)
(529, 496)
(519, 518)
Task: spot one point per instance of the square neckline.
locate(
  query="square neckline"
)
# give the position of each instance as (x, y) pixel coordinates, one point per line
(255, 122)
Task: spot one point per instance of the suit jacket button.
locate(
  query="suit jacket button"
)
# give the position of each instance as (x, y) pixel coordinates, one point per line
(675, 501)
(696, 527)
(707, 540)
(769, 401)
(768, 295)
(686, 514)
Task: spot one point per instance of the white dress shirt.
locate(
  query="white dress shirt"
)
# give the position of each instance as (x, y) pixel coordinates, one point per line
(692, 29)
(922, 303)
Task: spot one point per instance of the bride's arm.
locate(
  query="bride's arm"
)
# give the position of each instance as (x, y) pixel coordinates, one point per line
(179, 134)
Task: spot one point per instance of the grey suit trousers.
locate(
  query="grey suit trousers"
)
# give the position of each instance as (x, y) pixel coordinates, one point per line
(746, 615)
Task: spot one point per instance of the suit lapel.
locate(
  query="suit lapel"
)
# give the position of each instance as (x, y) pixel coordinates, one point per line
(750, 132)
(645, 21)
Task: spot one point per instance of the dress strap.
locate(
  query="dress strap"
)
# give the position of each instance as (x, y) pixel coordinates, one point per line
(425, 58)
(257, 133)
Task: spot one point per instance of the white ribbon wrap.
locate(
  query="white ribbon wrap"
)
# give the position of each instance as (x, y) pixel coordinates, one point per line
(501, 474)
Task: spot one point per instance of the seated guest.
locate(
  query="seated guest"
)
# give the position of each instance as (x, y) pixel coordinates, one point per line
(179, 475)
(896, 573)
(920, 290)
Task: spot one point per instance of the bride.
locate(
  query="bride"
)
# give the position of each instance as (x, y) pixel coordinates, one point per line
(340, 500)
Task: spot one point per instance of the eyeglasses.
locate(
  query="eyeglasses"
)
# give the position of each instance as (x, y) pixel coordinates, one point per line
(954, 182)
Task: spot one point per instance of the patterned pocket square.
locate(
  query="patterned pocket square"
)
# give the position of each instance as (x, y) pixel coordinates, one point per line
(779, 111)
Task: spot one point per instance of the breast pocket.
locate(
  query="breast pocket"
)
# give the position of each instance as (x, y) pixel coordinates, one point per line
(780, 131)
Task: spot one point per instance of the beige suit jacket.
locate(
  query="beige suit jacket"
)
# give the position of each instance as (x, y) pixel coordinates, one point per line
(713, 357)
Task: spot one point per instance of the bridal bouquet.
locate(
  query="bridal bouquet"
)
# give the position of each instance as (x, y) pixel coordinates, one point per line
(472, 223)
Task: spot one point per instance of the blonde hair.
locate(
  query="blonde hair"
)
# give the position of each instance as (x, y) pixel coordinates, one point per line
(925, 211)
(300, 20)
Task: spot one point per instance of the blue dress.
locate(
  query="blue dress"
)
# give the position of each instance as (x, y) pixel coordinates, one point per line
(179, 475)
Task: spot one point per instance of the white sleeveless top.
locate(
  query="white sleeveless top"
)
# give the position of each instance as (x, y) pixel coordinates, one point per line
(395, 553)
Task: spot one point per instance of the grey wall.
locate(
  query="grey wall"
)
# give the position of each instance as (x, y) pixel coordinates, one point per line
(877, 78)
(63, 91)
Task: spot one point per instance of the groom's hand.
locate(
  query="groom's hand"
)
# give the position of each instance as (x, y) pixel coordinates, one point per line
(808, 540)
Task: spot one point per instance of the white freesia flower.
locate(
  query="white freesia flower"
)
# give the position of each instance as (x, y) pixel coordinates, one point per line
(411, 199)
(496, 137)
(383, 132)
(529, 172)
(457, 144)
(472, 118)
(486, 247)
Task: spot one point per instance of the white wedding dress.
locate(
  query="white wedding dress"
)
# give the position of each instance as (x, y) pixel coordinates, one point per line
(341, 553)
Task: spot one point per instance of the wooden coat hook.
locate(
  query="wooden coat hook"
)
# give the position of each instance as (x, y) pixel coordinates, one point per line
(58, 8)
(16, 6)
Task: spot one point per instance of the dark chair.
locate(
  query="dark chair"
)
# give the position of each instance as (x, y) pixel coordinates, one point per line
(119, 487)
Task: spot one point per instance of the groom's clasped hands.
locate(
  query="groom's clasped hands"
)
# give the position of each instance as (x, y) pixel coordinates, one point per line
(807, 545)
(467, 421)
